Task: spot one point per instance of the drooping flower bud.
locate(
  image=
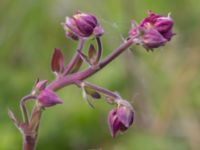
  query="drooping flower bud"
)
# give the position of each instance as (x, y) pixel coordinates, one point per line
(48, 98)
(154, 31)
(82, 25)
(120, 119)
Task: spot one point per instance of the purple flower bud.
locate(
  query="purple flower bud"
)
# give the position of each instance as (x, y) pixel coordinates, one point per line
(155, 30)
(82, 25)
(48, 98)
(120, 119)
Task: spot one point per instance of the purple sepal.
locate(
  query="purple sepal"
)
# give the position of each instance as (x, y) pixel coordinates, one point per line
(57, 61)
(98, 31)
(41, 85)
(153, 39)
(48, 98)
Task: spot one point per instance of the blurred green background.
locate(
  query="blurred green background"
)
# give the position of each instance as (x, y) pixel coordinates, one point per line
(163, 86)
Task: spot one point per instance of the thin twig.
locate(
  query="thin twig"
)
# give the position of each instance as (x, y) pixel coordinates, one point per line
(75, 58)
(23, 107)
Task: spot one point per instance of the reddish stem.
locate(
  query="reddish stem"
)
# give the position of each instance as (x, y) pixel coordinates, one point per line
(75, 58)
(70, 79)
(29, 142)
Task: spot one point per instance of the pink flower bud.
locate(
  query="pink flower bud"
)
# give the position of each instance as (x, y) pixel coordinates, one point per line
(154, 31)
(83, 25)
(48, 98)
(120, 119)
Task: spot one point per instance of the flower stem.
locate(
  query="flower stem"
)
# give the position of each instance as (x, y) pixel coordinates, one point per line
(79, 76)
(29, 142)
(75, 58)
(103, 91)
(23, 107)
(99, 48)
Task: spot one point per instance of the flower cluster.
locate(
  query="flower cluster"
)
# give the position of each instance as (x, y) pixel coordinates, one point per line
(154, 31)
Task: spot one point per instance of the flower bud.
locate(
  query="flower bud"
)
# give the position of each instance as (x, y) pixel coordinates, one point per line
(120, 119)
(48, 98)
(155, 30)
(82, 25)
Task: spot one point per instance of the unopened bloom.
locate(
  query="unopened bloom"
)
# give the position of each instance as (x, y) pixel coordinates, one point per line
(154, 31)
(82, 25)
(120, 119)
(48, 98)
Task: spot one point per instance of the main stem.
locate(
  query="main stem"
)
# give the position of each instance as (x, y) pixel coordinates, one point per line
(29, 142)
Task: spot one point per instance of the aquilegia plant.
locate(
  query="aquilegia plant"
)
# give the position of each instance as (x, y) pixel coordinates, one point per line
(153, 31)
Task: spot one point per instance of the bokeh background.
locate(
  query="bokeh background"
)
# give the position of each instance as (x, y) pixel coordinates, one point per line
(163, 86)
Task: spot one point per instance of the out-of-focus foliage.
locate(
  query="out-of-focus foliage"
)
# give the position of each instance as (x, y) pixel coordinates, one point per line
(163, 86)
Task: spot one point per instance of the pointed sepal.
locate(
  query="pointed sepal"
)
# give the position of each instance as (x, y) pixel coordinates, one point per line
(85, 97)
(92, 54)
(57, 61)
(13, 118)
(92, 92)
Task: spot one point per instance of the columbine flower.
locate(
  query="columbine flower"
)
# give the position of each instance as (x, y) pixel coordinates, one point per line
(48, 98)
(82, 25)
(120, 119)
(154, 31)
